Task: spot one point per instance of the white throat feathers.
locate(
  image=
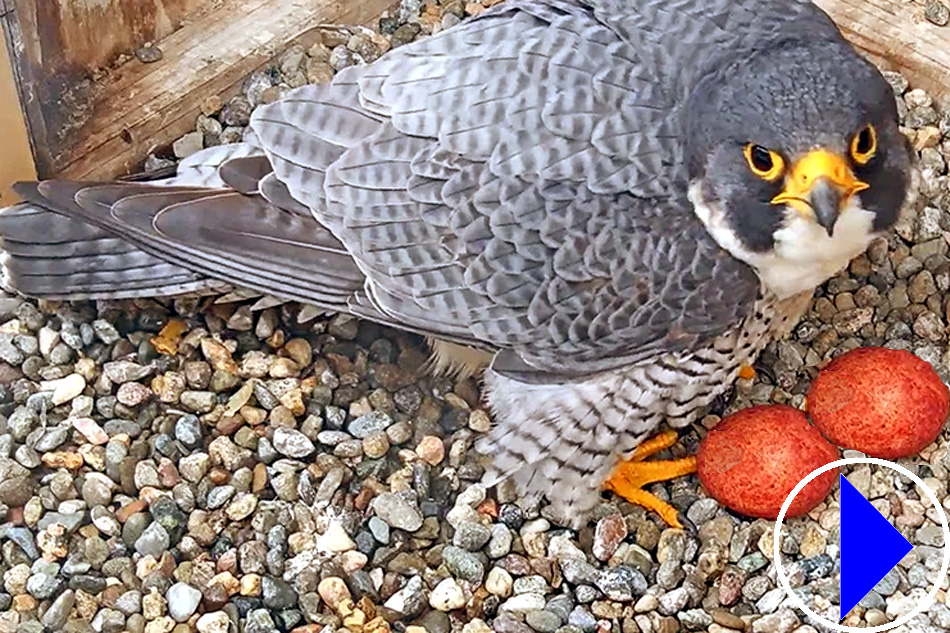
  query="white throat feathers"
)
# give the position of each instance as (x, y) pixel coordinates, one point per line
(804, 255)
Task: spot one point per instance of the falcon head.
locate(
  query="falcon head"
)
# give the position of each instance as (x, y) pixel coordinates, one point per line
(796, 160)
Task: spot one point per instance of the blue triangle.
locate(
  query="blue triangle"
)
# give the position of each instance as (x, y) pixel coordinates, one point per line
(870, 546)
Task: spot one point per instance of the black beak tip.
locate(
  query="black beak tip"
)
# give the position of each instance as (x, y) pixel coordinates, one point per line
(825, 199)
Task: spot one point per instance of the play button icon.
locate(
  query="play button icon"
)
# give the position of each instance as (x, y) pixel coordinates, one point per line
(870, 546)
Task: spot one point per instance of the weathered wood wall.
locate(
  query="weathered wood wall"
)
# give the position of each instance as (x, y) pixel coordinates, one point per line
(64, 35)
(17, 162)
(84, 125)
(895, 35)
(59, 45)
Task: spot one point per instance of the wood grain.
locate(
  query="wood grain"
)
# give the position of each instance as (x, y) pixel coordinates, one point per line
(89, 34)
(17, 163)
(895, 35)
(104, 128)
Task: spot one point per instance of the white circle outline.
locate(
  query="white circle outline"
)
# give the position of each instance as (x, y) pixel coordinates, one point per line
(780, 568)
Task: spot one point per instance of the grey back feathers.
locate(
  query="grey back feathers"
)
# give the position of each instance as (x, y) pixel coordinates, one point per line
(517, 183)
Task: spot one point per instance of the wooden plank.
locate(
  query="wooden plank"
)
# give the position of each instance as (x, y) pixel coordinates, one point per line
(895, 35)
(90, 34)
(60, 45)
(17, 163)
(106, 127)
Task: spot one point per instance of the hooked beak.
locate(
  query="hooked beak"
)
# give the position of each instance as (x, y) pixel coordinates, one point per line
(819, 185)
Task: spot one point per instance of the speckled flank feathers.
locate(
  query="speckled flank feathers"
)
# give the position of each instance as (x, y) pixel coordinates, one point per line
(583, 428)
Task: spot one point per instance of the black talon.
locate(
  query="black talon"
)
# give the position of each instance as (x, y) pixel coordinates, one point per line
(764, 370)
(722, 402)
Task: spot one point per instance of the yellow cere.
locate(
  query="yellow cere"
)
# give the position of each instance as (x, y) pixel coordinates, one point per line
(816, 164)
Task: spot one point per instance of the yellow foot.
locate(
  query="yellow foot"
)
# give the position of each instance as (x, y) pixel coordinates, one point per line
(747, 372)
(629, 477)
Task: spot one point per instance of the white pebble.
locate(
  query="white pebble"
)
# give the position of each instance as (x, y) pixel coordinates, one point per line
(523, 603)
(161, 624)
(471, 496)
(461, 514)
(214, 622)
(447, 596)
(183, 600)
(476, 626)
(335, 539)
(64, 389)
(499, 582)
(91, 430)
(562, 548)
(188, 144)
(48, 338)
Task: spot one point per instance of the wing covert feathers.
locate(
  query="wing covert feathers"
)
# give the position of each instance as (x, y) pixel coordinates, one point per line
(516, 183)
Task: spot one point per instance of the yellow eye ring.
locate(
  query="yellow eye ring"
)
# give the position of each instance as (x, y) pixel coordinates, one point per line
(864, 145)
(763, 162)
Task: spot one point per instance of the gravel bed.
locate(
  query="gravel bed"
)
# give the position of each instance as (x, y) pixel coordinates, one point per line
(277, 470)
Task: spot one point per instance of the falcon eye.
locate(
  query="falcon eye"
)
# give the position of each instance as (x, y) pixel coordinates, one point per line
(763, 162)
(864, 145)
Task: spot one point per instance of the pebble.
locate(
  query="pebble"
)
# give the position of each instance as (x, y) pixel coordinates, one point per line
(471, 536)
(97, 489)
(335, 539)
(431, 450)
(108, 621)
(214, 622)
(500, 542)
(91, 430)
(16, 483)
(198, 401)
(936, 12)
(499, 582)
(610, 531)
(43, 586)
(277, 593)
(55, 616)
(813, 542)
(105, 331)
(930, 535)
(447, 596)
(129, 603)
(463, 564)
(380, 529)
(149, 54)
(397, 512)
(621, 583)
(702, 511)
(188, 144)
(242, 506)
(785, 621)
(368, 424)
(334, 592)
(64, 389)
(188, 431)
(292, 443)
(154, 541)
(672, 602)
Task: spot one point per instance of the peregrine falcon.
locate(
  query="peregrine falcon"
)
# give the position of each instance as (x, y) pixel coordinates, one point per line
(617, 203)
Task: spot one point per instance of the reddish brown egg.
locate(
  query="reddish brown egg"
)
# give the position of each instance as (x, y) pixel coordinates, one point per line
(883, 402)
(753, 459)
